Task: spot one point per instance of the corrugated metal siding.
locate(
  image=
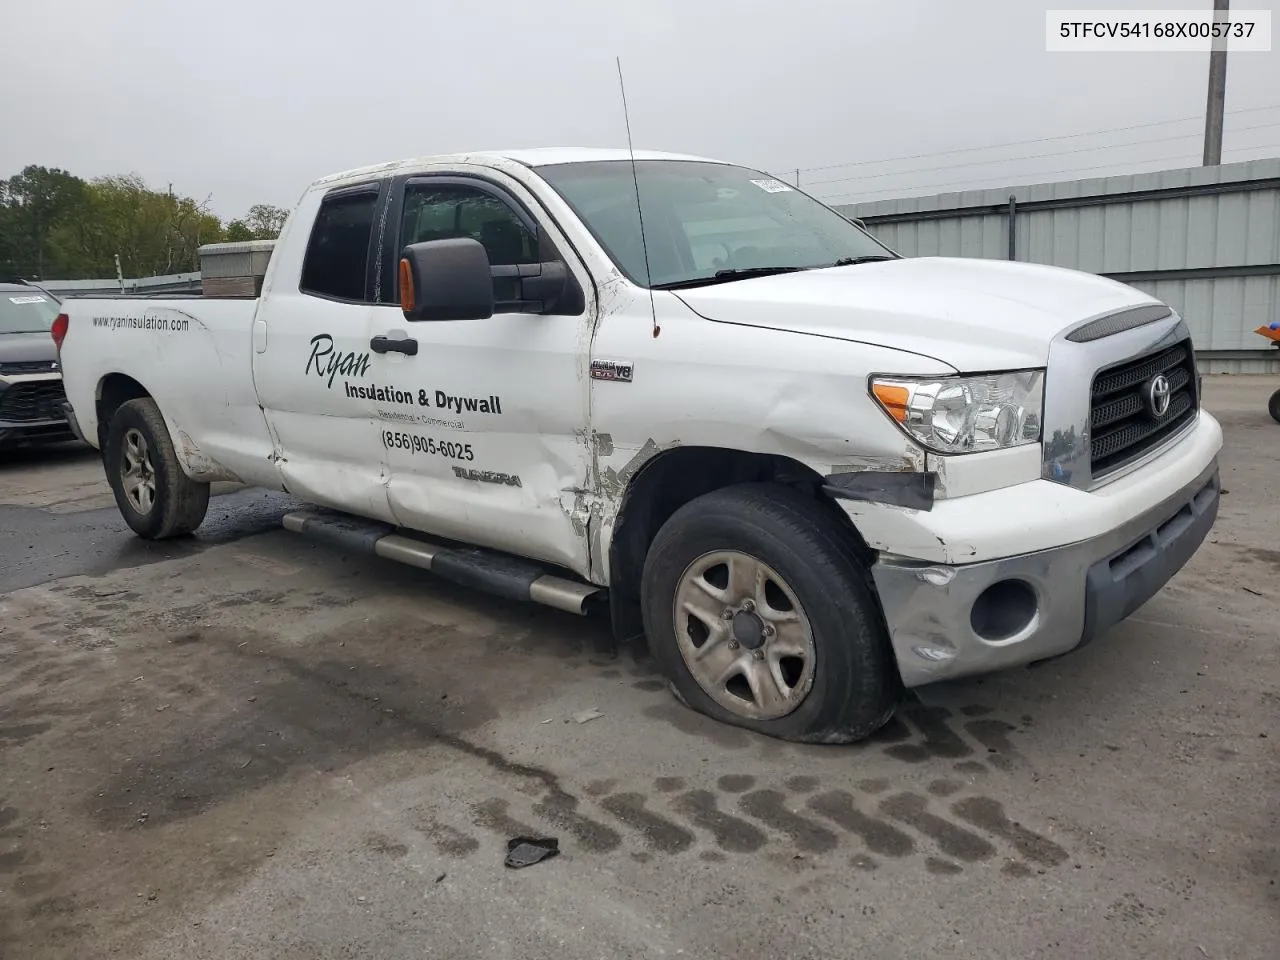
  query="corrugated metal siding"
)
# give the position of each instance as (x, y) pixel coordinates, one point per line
(973, 236)
(170, 283)
(1115, 226)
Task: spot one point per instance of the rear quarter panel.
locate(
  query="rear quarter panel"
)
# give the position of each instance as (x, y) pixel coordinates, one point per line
(194, 357)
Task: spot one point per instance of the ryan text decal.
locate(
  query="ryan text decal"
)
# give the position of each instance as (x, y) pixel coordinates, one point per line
(329, 364)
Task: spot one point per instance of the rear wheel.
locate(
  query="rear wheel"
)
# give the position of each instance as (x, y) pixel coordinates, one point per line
(761, 614)
(1273, 406)
(155, 497)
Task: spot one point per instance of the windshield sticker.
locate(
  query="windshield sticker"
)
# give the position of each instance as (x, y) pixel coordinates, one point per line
(772, 186)
(28, 300)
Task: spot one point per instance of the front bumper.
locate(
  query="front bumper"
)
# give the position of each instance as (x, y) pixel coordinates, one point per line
(949, 620)
(70, 414)
(13, 432)
(27, 417)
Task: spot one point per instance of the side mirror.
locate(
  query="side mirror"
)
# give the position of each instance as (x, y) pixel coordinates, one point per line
(453, 280)
(446, 280)
(534, 287)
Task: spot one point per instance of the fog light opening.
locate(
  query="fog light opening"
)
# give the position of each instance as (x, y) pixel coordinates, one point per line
(1003, 610)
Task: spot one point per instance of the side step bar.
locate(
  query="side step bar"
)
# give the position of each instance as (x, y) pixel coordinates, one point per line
(487, 570)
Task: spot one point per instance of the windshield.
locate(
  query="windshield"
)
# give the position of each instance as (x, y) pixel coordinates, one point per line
(26, 311)
(704, 218)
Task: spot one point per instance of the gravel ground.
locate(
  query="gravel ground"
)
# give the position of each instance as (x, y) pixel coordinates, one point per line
(246, 745)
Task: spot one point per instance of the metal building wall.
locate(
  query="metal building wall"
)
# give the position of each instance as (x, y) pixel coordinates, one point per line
(1205, 240)
(170, 283)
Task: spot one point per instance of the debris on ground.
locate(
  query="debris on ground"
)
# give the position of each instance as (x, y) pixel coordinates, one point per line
(582, 716)
(526, 851)
(1256, 593)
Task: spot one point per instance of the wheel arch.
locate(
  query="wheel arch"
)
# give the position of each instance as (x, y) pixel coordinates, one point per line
(674, 477)
(113, 391)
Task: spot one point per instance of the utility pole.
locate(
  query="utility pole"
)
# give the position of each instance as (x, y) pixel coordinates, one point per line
(1214, 109)
(797, 177)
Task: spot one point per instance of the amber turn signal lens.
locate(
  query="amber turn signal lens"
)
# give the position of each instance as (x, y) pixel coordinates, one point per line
(406, 287)
(894, 399)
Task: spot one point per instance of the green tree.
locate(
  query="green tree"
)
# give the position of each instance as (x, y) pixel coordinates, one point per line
(54, 225)
(37, 202)
(153, 233)
(266, 221)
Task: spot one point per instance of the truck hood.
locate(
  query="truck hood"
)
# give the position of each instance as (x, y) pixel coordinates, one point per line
(26, 347)
(972, 314)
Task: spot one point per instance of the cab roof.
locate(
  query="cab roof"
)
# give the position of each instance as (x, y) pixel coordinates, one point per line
(533, 157)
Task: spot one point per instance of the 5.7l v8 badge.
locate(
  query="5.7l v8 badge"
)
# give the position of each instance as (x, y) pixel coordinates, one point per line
(611, 370)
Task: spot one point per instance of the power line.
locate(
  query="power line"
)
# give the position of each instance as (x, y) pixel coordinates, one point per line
(1010, 180)
(1019, 143)
(1032, 156)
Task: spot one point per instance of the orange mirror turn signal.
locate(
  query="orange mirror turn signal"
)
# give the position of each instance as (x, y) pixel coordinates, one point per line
(406, 286)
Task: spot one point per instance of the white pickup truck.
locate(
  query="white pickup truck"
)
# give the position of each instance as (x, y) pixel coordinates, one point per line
(810, 472)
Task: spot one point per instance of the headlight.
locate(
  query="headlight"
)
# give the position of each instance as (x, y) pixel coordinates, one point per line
(966, 414)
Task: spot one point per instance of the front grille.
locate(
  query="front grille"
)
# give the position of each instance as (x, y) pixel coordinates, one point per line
(33, 401)
(28, 366)
(1122, 423)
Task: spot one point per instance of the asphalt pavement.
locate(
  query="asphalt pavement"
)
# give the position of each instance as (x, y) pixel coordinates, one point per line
(243, 744)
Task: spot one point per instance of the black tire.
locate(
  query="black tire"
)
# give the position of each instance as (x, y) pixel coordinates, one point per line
(179, 503)
(855, 686)
(1273, 406)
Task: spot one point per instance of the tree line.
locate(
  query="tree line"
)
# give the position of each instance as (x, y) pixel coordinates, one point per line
(57, 226)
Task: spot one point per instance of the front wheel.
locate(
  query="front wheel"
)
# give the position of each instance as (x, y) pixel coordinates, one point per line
(156, 498)
(761, 614)
(1273, 406)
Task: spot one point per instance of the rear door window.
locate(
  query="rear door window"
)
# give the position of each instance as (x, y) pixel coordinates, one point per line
(337, 261)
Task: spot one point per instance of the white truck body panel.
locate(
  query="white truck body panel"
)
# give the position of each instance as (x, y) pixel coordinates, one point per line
(195, 357)
(496, 433)
(326, 444)
(517, 395)
(981, 315)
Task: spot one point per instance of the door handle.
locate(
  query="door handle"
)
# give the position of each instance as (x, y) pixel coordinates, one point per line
(407, 346)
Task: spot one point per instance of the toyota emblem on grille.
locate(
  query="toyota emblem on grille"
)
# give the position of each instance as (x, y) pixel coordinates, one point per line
(1159, 393)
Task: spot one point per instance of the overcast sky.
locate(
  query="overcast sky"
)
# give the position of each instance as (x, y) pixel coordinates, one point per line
(249, 101)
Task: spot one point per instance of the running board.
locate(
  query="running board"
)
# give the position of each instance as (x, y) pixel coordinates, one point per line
(488, 570)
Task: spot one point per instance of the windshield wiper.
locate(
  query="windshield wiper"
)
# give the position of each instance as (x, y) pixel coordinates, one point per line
(870, 258)
(724, 276)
